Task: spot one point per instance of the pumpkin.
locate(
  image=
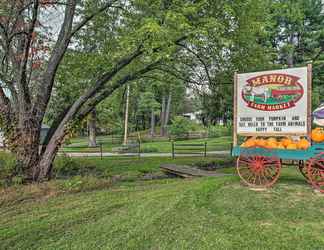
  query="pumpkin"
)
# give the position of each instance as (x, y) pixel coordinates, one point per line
(271, 143)
(286, 142)
(292, 146)
(261, 143)
(280, 145)
(317, 135)
(249, 143)
(303, 144)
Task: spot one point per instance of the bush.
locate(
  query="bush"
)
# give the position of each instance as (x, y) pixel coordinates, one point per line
(218, 130)
(180, 126)
(8, 169)
(84, 183)
(66, 166)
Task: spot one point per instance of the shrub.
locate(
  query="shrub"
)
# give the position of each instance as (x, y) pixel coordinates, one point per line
(8, 169)
(66, 166)
(218, 130)
(180, 126)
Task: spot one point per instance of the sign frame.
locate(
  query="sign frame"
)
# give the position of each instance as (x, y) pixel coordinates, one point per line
(309, 111)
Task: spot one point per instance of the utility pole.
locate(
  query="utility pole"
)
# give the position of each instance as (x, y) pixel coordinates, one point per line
(126, 116)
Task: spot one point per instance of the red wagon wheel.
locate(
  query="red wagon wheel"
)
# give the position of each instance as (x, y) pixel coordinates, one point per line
(258, 171)
(315, 172)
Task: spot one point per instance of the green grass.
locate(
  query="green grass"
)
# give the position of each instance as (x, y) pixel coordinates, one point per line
(205, 213)
(164, 146)
(132, 168)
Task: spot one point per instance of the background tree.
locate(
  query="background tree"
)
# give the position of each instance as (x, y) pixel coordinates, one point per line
(143, 32)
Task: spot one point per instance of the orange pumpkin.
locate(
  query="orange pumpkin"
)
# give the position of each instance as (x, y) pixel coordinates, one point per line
(303, 144)
(249, 143)
(292, 146)
(317, 135)
(280, 145)
(271, 143)
(286, 142)
(261, 143)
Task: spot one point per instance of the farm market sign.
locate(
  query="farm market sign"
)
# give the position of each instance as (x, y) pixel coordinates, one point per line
(272, 102)
(272, 92)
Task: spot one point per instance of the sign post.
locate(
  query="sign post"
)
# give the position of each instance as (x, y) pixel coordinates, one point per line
(273, 103)
(235, 111)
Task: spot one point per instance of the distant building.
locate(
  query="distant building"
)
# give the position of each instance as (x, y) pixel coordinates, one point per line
(193, 116)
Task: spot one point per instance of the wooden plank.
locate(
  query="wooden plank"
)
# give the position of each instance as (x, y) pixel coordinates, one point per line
(187, 171)
(189, 149)
(309, 100)
(235, 110)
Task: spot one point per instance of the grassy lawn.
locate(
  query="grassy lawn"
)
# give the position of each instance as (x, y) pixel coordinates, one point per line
(204, 213)
(162, 146)
(131, 168)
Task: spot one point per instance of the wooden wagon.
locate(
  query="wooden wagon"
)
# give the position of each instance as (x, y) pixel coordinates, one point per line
(261, 166)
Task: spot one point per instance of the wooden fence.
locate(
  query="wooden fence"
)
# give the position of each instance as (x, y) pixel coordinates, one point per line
(189, 148)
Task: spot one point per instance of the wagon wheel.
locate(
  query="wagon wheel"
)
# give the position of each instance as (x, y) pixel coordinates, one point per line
(315, 172)
(258, 171)
(302, 166)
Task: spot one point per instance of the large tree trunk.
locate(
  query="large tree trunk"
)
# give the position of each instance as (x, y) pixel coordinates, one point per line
(26, 147)
(162, 115)
(152, 130)
(92, 120)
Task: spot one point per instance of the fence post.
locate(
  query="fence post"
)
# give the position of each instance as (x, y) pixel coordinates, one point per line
(139, 149)
(100, 150)
(173, 155)
(205, 153)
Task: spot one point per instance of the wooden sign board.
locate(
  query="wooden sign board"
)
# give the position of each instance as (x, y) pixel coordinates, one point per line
(273, 103)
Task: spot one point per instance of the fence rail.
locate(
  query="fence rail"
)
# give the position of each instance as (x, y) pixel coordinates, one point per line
(189, 148)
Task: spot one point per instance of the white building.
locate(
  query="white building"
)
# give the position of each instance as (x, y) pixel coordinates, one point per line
(193, 116)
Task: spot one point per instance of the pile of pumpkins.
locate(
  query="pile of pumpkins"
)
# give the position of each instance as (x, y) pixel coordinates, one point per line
(285, 143)
(318, 135)
(273, 143)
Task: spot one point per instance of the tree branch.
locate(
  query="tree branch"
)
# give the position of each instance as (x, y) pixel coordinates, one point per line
(44, 90)
(110, 89)
(199, 58)
(88, 18)
(23, 80)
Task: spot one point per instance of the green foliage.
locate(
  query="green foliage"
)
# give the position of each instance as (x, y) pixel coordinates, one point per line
(151, 149)
(83, 183)
(147, 102)
(181, 126)
(67, 167)
(217, 131)
(8, 169)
